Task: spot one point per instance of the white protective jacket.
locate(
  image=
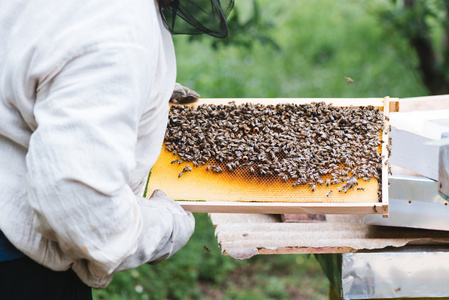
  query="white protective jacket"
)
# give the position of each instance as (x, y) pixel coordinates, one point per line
(84, 89)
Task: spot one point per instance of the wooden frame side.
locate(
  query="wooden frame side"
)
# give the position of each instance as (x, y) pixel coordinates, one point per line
(394, 104)
(385, 155)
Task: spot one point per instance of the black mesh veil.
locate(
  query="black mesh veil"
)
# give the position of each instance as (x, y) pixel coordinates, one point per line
(196, 16)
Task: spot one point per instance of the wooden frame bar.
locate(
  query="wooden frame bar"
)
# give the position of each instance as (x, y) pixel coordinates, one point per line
(378, 102)
(385, 155)
(283, 207)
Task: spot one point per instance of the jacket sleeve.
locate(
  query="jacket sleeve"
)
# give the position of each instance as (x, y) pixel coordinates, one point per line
(80, 160)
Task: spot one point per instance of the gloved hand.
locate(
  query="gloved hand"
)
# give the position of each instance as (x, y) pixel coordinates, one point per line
(166, 228)
(183, 224)
(182, 95)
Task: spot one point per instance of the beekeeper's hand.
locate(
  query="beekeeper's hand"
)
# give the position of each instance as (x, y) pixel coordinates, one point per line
(183, 224)
(183, 95)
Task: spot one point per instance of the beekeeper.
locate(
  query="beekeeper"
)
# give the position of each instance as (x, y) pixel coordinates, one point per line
(84, 89)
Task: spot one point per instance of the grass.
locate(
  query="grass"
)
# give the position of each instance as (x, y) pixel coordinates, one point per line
(199, 271)
(321, 42)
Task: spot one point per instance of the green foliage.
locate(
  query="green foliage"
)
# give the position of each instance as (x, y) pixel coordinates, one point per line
(246, 27)
(319, 47)
(417, 20)
(424, 20)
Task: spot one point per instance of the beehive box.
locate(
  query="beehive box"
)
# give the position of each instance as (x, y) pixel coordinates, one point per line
(240, 189)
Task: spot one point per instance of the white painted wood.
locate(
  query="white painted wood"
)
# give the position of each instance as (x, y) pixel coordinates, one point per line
(409, 151)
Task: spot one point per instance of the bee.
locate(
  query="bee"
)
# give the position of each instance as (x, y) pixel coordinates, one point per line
(360, 189)
(328, 194)
(186, 169)
(217, 169)
(349, 80)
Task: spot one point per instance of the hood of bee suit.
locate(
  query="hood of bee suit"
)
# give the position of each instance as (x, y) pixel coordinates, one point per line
(196, 16)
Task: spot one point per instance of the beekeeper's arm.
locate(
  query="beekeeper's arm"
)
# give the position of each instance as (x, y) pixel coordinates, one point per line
(81, 157)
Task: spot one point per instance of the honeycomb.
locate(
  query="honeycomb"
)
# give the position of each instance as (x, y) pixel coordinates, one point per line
(271, 153)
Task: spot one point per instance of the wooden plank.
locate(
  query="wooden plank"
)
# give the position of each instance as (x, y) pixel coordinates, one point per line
(424, 103)
(394, 105)
(305, 250)
(283, 207)
(410, 152)
(302, 250)
(378, 102)
(420, 121)
(242, 236)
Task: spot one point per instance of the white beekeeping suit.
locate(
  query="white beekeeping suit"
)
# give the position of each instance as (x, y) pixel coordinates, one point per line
(84, 89)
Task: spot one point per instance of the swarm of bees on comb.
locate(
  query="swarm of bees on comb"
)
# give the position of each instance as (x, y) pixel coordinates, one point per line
(299, 144)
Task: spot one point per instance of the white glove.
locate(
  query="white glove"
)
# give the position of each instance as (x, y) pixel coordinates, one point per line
(183, 224)
(166, 228)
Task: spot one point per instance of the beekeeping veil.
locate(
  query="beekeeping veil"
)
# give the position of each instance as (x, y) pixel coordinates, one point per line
(196, 16)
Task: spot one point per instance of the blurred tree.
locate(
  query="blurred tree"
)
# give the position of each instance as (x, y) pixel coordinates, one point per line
(425, 24)
(246, 26)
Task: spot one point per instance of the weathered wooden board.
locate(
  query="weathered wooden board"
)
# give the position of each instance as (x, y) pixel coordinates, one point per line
(244, 235)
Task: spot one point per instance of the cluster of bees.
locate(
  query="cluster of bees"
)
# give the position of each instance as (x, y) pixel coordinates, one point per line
(308, 144)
